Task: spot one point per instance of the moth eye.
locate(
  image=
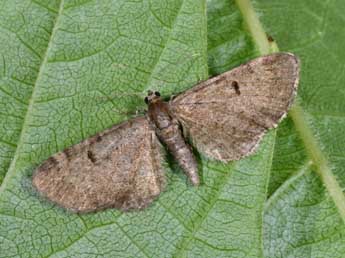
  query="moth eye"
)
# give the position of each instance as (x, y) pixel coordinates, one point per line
(146, 100)
(157, 94)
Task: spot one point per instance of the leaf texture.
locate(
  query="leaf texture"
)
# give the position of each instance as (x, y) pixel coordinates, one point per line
(304, 216)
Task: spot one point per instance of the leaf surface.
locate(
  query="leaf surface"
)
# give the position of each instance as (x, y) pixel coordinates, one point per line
(305, 216)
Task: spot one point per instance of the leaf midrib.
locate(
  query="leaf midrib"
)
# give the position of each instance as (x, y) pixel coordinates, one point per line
(297, 114)
(12, 167)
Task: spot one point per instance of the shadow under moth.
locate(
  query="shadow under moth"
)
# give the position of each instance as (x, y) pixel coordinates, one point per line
(224, 117)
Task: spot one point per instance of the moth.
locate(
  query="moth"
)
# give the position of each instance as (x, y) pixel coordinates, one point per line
(224, 118)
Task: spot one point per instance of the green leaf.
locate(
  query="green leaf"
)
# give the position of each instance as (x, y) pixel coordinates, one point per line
(305, 216)
(69, 69)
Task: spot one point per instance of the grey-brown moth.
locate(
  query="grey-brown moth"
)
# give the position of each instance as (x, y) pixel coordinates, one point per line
(224, 117)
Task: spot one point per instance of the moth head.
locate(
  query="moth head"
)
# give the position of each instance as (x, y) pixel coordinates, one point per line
(152, 96)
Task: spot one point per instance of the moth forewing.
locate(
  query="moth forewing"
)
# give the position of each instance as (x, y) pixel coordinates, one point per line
(226, 116)
(120, 168)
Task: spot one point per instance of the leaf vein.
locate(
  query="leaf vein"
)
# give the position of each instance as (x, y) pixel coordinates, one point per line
(11, 169)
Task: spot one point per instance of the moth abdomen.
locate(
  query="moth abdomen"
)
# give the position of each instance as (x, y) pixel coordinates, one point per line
(169, 132)
(181, 151)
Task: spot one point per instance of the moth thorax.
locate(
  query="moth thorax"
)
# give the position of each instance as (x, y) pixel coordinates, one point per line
(152, 97)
